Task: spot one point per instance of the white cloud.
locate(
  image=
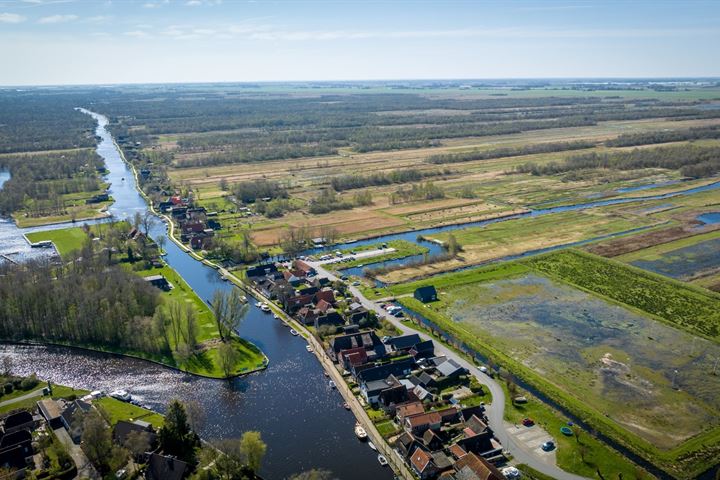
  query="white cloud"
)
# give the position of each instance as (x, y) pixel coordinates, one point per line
(57, 19)
(193, 3)
(11, 18)
(137, 34)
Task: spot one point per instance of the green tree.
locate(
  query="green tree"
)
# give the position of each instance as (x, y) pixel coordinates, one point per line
(176, 437)
(229, 310)
(227, 356)
(252, 449)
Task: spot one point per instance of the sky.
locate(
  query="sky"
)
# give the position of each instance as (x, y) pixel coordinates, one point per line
(51, 42)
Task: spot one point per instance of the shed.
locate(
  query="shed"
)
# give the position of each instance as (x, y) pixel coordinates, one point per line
(426, 294)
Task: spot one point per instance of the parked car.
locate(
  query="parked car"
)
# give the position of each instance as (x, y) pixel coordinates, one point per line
(528, 422)
(548, 446)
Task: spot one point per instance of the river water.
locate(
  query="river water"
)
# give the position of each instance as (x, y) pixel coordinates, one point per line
(301, 419)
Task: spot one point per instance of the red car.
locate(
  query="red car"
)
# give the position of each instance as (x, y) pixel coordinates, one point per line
(528, 422)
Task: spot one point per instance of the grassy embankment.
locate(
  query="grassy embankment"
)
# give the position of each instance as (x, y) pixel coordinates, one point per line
(204, 361)
(652, 294)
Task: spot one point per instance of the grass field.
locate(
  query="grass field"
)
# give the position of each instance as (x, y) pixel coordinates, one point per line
(116, 410)
(499, 240)
(593, 356)
(680, 305)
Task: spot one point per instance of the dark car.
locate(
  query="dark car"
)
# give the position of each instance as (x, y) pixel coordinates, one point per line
(528, 422)
(548, 446)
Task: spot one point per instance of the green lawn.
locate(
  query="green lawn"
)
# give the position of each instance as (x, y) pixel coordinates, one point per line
(65, 240)
(205, 361)
(116, 410)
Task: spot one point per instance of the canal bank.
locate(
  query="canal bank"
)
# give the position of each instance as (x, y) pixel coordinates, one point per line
(300, 418)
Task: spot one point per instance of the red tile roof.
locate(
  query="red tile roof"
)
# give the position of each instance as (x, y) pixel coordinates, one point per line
(420, 459)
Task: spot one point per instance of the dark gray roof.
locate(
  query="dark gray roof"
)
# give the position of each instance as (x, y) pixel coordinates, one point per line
(405, 341)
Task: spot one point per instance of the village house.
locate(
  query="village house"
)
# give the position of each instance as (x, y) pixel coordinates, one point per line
(425, 294)
(369, 341)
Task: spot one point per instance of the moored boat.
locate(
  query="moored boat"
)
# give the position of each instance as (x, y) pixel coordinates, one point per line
(383, 461)
(294, 332)
(331, 384)
(121, 395)
(372, 445)
(360, 432)
(346, 405)
(265, 307)
(308, 348)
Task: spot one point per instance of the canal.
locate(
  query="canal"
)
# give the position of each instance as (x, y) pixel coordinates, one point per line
(301, 419)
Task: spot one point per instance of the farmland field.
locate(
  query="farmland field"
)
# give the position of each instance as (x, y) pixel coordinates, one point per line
(619, 362)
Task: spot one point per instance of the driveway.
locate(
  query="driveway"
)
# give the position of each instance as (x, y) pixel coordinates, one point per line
(84, 467)
(34, 393)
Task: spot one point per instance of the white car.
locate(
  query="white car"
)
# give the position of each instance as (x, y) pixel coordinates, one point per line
(510, 472)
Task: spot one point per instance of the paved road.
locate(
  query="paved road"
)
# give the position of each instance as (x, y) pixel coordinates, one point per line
(84, 467)
(35, 393)
(521, 451)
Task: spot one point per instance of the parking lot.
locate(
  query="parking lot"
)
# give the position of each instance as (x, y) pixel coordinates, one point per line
(531, 438)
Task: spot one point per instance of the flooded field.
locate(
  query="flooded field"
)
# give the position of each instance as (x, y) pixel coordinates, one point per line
(685, 263)
(652, 379)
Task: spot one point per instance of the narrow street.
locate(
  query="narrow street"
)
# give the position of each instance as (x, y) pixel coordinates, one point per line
(522, 452)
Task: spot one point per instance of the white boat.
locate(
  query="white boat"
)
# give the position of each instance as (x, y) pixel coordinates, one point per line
(360, 432)
(331, 384)
(294, 332)
(308, 348)
(121, 395)
(383, 461)
(264, 307)
(276, 316)
(372, 445)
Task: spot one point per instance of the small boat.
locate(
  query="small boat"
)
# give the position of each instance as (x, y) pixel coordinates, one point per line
(276, 316)
(265, 307)
(360, 432)
(326, 374)
(308, 348)
(331, 384)
(346, 405)
(372, 445)
(122, 395)
(382, 460)
(294, 332)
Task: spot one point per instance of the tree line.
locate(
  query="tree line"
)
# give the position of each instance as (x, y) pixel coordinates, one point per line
(348, 182)
(691, 160)
(663, 136)
(509, 152)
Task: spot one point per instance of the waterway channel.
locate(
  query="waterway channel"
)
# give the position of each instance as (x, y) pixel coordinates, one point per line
(300, 417)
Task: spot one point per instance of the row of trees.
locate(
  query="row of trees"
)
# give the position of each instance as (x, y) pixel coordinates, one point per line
(509, 152)
(348, 182)
(251, 191)
(664, 136)
(692, 161)
(417, 191)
